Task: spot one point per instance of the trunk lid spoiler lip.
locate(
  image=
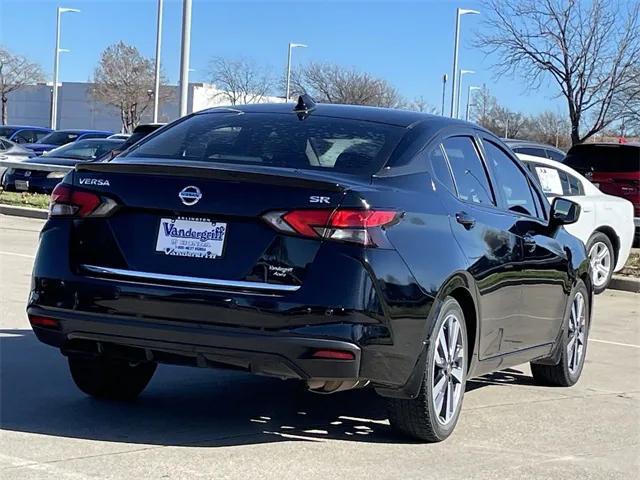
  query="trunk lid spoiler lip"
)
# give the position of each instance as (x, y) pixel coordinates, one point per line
(268, 175)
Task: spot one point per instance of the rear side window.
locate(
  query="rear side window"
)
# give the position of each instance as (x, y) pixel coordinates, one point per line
(511, 180)
(276, 140)
(555, 155)
(573, 185)
(604, 158)
(440, 168)
(536, 152)
(468, 170)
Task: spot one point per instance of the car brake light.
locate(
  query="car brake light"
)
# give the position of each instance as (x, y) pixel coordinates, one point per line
(68, 201)
(349, 225)
(38, 321)
(333, 354)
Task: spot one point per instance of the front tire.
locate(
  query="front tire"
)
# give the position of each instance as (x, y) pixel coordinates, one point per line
(110, 379)
(573, 344)
(601, 259)
(433, 414)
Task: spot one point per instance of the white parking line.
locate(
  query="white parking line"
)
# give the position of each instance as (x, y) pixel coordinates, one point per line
(614, 343)
(24, 255)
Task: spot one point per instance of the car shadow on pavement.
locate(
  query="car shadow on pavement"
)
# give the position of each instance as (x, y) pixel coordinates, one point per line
(185, 406)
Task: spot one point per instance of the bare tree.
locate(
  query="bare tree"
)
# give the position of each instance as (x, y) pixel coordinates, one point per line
(629, 106)
(551, 128)
(16, 72)
(125, 80)
(240, 81)
(420, 104)
(329, 83)
(588, 49)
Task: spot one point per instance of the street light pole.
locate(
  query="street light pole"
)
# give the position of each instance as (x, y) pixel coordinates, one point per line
(56, 61)
(444, 92)
(459, 13)
(461, 74)
(184, 57)
(291, 47)
(156, 89)
(471, 88)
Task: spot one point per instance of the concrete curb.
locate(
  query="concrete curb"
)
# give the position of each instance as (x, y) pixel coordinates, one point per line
(23, 211)
(627, 284)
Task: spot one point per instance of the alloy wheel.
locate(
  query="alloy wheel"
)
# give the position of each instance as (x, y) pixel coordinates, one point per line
(448, 369)
(577, 334)
(600, 259)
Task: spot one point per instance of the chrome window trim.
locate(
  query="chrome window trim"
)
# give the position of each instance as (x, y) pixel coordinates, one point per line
(212, 282)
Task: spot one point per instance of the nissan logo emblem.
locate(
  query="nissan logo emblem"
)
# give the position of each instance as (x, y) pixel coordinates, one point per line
(190, 195)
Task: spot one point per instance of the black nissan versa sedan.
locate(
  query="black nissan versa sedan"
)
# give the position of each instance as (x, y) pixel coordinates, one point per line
(339, 245)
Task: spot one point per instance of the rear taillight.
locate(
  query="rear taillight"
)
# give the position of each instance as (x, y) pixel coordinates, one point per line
(68, 201)
(348, 225)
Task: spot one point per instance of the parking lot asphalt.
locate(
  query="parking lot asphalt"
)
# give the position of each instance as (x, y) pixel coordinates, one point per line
(197, 423)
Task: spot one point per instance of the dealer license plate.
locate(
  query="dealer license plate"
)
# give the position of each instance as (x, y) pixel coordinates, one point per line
(191, 237)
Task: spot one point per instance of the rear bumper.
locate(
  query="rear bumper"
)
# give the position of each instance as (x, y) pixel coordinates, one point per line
(373, 309)
(282, 354)
(36, 184)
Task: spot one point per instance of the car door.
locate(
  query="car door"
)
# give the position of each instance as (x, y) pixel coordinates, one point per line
(484, 233)
(544, 266)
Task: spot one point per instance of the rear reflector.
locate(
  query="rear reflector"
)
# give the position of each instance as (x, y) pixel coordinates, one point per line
(67, 201)
(334, 355)
(46, 322)
(349, 225)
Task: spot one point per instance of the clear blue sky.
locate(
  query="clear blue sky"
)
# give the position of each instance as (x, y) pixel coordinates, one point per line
(408, 43)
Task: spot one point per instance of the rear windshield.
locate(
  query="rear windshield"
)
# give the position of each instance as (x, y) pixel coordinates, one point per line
(604, 158)
(278, 140)
(59, 138)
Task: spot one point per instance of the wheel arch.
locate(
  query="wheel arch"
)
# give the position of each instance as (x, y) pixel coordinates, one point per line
(611, 234)
(461, 287)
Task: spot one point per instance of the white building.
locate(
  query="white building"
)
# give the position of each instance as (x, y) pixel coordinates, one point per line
(77, 109)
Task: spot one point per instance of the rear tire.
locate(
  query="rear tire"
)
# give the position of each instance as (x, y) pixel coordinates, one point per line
(433, 414)
(574, 345)
(602, 260)
(110, 379)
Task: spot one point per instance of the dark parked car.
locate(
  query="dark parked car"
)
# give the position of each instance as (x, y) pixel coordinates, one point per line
(41, 181)
(13, 152)
(612, 167)
(23, 133)
(62, 137)
(138, 134)
(535, 149)
(339, 245)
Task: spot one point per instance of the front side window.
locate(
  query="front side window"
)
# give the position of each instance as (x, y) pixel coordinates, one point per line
(275, 140)
(468, 170)
(511, 180)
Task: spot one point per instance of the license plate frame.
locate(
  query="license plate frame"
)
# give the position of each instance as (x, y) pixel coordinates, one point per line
(22, 185)
(192, 237)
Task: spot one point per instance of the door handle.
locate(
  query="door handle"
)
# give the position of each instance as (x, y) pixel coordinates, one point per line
(529, 242)
(466, 220)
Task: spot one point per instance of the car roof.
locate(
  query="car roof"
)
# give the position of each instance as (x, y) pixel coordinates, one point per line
(390, 116)
(515, 142)
(605, 144)
(115, 141)
(79, 130)
(22, 127)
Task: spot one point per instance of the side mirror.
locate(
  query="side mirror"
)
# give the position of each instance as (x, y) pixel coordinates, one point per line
(564, 212)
